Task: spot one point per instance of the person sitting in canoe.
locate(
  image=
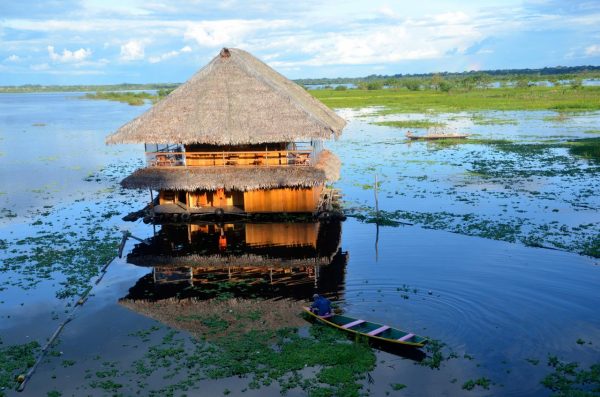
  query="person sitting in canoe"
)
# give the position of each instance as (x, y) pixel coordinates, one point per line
(321, 305)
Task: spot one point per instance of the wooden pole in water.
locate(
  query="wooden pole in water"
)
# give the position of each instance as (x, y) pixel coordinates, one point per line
(376, 200)
(376, 221)
(151, 199)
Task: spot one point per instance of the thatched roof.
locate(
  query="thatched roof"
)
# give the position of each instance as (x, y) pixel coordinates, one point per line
(235, 99)
(235, 177)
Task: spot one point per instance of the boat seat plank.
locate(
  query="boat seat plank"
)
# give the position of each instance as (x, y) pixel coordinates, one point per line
(378, 330)
(352, 324)
(327, 315)
(406, 337)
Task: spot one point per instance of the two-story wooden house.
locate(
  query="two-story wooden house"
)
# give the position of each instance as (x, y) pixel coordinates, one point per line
(237, 137)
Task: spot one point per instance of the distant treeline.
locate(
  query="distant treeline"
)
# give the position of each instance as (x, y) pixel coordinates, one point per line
(90, 88)
(544, 74)
(444, 81)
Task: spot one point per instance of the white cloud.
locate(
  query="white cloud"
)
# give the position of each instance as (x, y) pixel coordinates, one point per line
(408, 40)
(69, 56)
(13, 58)
(170, 54)
(592, 50)
(132, 50)
(229, 32)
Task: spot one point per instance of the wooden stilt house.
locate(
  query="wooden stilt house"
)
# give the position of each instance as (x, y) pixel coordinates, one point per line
(237, 137)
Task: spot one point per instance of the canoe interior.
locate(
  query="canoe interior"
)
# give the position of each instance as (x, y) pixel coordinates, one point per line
(367, 326)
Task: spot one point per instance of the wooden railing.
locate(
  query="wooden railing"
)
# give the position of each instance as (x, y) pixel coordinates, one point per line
(211, 159)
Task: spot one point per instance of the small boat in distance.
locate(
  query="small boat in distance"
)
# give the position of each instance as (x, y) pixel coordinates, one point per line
(373, 331)
(437, 135)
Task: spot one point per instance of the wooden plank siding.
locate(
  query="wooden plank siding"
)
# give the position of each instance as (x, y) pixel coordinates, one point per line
(290, 234)
(282, 200)
(272, 200)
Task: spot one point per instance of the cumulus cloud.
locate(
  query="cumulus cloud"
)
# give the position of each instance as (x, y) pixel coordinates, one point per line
(592, 50)
(229, 32)
(170, 54)
(385, 43)
(13, 58)
(132, 50)
(69, 56)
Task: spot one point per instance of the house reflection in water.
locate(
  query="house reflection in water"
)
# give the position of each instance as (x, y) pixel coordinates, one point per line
(245, 260)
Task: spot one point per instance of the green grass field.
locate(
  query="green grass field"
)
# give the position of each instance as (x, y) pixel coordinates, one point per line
(405, 101)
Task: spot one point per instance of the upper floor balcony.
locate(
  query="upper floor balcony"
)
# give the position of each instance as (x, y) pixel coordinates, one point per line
(284, 154)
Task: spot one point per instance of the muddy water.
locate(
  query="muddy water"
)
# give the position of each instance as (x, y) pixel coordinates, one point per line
(494, 304)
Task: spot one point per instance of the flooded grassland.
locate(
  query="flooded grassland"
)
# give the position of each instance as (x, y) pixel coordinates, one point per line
(506, 317)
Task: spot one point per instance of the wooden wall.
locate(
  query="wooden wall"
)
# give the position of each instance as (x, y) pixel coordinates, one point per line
(217, 199)
(272, 200)
(282, 233)
(282, 200)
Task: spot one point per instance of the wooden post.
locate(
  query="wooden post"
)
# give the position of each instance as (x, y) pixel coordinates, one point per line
(151, 199)
(376, 222)
(376, 200)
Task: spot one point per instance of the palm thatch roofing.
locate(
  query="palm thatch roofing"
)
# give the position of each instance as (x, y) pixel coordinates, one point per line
(235, 178)
(236, 99)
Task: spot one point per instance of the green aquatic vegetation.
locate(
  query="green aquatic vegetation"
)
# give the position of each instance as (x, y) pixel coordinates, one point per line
(79, 260)
(567, 379)
(14, 361)
(410, 123)
(479, 119)
(552, 235)
(264, 356)
(397, 386)
(471, 384)
(404, 101)
(591, 132)
(559, 117)
(437, 353)
(588, 148)
(131, 98)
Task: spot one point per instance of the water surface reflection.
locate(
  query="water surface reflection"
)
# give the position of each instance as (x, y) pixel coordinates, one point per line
(242, 260)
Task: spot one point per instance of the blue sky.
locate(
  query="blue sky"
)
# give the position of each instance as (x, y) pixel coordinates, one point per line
(138, 41)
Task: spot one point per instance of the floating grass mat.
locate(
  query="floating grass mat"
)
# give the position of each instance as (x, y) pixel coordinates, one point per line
(405, 101)
(131, 98)
(568, 379)
(579, 239)
(410, 123)
(478, 119)
(14, 362)
(246, 339)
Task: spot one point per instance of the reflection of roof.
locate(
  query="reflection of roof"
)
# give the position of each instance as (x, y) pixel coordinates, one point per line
(238, 315)
(238, 178)
(235, 99)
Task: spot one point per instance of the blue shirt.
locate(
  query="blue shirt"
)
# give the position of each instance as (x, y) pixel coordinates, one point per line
(323, 306)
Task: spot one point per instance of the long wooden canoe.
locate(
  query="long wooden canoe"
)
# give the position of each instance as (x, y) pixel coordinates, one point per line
(373, 331)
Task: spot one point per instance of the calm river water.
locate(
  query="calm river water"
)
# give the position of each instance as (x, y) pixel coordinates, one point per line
(501, 308)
